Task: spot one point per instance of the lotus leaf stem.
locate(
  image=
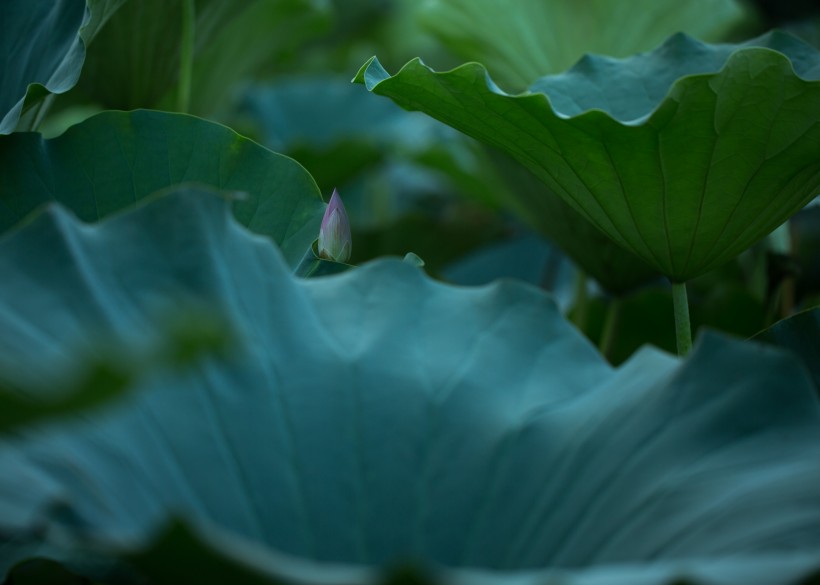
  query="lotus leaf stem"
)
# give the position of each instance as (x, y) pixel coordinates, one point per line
(683, 328)
(581, 300)
(611, 325)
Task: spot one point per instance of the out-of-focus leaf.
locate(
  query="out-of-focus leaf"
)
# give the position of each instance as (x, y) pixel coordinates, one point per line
(728, 307)
(134, 62)
(697, 153)
(113, 160)
(438, 238)
(645, 316)
(524, 257)
(186, 337)
(337, 131)
(44, 572)
(101, 383)
(322, 111)
(378, 416)
(801, 334)
(522, 40)
(389, 164)
(42, 50)
(805, 235)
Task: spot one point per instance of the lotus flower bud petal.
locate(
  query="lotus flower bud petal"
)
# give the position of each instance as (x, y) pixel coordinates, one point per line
(334, 235)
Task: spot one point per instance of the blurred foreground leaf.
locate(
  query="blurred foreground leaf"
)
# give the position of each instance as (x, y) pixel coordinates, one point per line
(801, 334)
(377, 417)
(186, 337)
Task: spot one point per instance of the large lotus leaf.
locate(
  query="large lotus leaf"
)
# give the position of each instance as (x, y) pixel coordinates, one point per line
(378, 416)
(233, 40)
(114, 159)
(42, 48)
(697, 152)
(522, 40)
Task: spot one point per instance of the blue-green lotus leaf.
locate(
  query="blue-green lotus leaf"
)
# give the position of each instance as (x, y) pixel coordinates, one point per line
(114, 159)
(686, 155)
(378, 416)
(42, 50)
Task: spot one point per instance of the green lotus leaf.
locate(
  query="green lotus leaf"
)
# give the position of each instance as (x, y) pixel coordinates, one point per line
(233, 40)
(379, 416)
(115, 159)
(522, 40)
(43, 44)
(697, 152)
(617, 270)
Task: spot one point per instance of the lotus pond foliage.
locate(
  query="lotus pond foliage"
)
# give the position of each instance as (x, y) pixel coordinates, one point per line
(565, 327)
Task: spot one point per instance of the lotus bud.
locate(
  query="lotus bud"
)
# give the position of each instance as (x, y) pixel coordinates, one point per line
(334, 235)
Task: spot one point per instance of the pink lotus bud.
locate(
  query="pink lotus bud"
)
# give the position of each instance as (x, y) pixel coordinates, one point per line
(334, 235)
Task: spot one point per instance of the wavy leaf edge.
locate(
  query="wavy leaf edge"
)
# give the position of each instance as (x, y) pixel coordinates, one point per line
(57, 217)
(372, 73)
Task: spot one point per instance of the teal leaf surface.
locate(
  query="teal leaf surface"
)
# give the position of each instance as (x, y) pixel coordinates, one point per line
(115, 159)
(108, 371)
(378, 416)
(696, 153)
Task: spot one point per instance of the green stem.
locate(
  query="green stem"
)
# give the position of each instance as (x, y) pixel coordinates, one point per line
(608, 335)
(186, 56)
(683, 329)
(581, 305)
(789, 286)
